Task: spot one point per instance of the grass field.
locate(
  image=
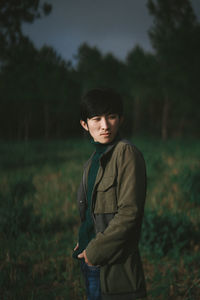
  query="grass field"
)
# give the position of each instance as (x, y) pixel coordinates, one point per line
(39, 219)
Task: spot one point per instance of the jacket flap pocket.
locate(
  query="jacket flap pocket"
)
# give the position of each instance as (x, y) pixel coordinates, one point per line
(106, 183)
(106, 200)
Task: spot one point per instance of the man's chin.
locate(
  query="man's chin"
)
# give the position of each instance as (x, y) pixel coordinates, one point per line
(106, 139)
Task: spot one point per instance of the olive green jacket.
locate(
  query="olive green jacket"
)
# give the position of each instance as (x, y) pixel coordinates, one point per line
(117, 207)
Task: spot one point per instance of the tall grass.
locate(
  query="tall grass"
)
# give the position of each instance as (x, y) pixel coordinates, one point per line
(39, 219)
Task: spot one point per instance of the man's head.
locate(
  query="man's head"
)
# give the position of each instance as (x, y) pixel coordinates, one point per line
(101, 114)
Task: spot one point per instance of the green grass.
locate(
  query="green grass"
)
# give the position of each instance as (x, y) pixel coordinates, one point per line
(39, 219)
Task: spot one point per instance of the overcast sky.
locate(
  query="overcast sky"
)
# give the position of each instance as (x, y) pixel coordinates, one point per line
(112, 25)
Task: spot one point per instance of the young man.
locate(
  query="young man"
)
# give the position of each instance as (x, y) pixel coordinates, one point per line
(111, 201)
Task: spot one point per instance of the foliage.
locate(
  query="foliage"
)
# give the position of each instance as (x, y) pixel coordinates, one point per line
(13, 13)
(189, 182)
(174, 36)
(17, 217)
(142, 73)
(43, 108)
(40, 92)
(168, 233)
(42, 96)
(97, 70)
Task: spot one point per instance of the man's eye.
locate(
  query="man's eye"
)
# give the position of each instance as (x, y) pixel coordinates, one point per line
(96, 119)
(112, 117)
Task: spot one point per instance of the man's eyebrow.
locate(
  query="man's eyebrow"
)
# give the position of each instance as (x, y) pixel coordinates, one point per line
(111, 113)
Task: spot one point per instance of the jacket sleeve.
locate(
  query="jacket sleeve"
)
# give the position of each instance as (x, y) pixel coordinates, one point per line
(123, 231)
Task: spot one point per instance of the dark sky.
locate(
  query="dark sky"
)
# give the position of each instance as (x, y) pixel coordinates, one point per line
(112, 25)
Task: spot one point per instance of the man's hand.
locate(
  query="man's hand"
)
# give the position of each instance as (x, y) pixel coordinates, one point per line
(76, 247)
(83, 255)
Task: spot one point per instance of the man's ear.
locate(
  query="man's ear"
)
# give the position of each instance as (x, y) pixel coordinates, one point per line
(84, 125)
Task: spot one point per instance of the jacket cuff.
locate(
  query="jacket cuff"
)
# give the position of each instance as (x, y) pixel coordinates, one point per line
(92, 255)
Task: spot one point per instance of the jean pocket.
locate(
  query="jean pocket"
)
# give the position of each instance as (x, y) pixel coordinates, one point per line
(95, 270)
(93, 267)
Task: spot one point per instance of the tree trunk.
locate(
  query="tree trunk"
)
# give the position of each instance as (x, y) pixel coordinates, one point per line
(26, 128)
(180, 127)
(46, 121)
(137, 115)
(165, 119)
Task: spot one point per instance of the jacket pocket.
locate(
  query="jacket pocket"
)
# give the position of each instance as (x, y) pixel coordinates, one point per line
(106, 200)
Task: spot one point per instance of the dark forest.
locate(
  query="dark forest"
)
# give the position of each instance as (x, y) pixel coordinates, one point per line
(40, 92)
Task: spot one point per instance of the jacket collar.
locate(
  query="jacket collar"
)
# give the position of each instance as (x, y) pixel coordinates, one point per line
(109, 148)
(112, 144)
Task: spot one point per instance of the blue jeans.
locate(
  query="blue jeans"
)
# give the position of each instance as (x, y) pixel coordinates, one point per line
(92, 281)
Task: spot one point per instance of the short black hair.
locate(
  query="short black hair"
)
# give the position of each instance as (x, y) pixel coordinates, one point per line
(100, 101)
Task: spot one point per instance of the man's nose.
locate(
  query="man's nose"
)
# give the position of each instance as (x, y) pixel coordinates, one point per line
(104, 123)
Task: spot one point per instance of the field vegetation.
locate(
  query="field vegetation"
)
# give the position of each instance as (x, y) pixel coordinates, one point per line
(39, 219)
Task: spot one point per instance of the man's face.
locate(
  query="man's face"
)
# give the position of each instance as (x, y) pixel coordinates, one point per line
(103, 128)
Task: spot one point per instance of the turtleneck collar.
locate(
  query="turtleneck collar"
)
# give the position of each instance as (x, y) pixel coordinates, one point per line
(100, 148)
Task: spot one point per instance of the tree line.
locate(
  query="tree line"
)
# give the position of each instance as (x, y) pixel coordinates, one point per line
(40, 92)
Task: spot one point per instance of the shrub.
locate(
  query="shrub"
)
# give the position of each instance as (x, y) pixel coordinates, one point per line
(167, 233)
(16, 216)
(189, 183)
